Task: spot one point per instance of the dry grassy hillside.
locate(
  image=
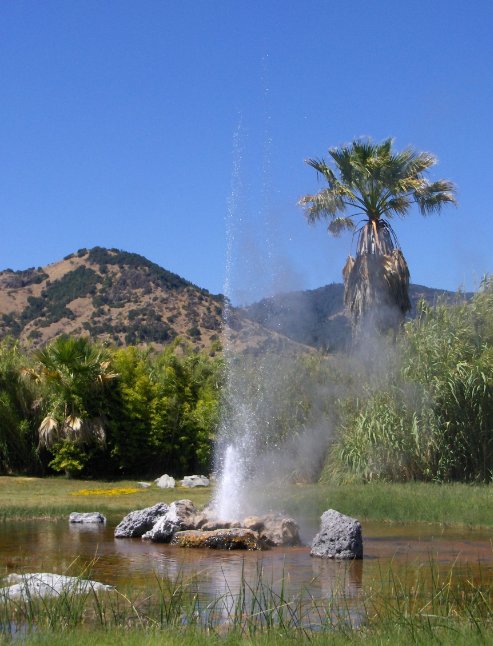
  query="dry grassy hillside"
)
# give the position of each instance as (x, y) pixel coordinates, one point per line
(121, 298)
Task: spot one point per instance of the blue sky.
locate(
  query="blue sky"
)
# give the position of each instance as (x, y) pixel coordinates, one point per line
(171, 129)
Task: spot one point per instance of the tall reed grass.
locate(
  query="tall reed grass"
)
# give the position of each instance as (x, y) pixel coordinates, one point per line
(427, 414)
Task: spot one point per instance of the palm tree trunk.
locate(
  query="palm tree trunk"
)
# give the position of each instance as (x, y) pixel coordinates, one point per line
(376, 282)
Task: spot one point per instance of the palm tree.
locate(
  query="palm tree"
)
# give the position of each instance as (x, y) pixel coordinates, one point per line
(72, 373)
(369, 185)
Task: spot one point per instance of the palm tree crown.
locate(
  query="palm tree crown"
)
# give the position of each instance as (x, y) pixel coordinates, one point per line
(368, 185)
(374, 182)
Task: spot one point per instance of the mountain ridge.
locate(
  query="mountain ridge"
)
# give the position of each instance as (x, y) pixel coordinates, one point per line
(125, 299)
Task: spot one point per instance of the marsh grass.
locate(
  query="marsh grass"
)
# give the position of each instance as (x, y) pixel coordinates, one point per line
(410, 502)
(432, 608)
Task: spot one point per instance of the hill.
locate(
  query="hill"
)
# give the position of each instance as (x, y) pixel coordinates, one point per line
(316, 317)
(123, 298)
(109, 294)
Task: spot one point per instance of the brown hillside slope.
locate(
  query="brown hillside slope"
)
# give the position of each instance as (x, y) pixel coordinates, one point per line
(121, 298)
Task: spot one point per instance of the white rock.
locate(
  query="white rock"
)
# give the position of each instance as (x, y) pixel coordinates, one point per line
(144, 485)
(45, 584)
(165, 482)
(86, 517)
(195, 481)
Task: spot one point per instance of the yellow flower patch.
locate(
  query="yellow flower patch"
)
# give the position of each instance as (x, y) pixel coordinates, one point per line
(121, 491)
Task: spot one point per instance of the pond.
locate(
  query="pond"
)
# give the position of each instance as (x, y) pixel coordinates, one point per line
(56, 546)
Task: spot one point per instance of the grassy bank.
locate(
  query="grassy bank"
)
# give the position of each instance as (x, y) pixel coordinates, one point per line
(454, 504)
(57, 497)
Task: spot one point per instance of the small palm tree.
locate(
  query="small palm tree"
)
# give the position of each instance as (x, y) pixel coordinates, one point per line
(72, 373)
(369, 185)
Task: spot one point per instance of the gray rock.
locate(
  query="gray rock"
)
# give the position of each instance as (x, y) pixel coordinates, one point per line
(137, 523)
(45, 584)
(339, 537)
(234, 538)
(144, 485)
(165, 482)
(180, 516)
(195, 481)
(86, 517)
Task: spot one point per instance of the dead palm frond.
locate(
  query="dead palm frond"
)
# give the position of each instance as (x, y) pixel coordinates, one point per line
(48, 431)
(376, 290)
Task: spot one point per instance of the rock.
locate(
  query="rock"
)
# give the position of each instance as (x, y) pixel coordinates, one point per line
(44, 584)
(165, 482)
(144, 485)
(235, 538)
(274, 529)
(212, 524)
(141, 521)
(195, 481)
(180, 516)
(339, 537)
(86, 517)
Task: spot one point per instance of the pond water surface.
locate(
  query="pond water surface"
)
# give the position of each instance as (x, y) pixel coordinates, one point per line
(56, 546)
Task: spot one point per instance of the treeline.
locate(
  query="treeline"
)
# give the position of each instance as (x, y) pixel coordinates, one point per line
(419, 408)
(79, 408)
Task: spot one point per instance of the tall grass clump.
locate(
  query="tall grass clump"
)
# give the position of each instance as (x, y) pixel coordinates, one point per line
(429, 415)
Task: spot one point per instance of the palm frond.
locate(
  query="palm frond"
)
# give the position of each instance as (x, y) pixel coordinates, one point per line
(430, 197)
(73, 423)
(325, 204)
(340, 224)
(399, 205)
(48, 431)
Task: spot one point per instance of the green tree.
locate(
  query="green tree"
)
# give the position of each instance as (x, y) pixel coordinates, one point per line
(165, 410)
(373, 183)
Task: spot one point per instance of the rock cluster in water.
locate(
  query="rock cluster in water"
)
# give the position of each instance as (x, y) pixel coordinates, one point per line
(181, 523)
(339, 537)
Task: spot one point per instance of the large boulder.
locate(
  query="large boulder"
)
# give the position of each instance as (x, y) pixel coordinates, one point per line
(180, 516)
(165, 482)
(137, 523)
(89, 517)
(339, 537)
(195, 481)
(235, 538)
